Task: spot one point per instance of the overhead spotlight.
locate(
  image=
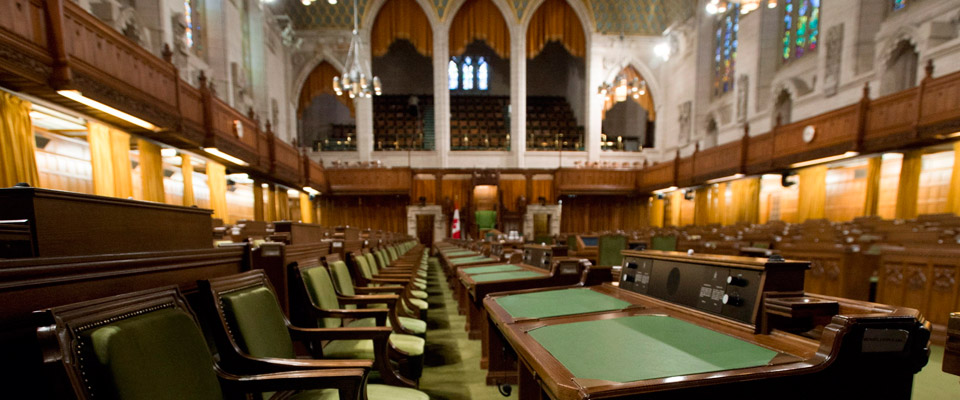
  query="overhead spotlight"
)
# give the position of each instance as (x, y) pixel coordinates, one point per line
(332, 2)
(662, 50)
(166, 152)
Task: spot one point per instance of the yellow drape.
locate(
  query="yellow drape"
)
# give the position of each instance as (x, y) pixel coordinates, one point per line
(645, 100)
(283, 204)
(744, 202)
(217, 181)
(555, 21)
(258, 201)
(401, 19)
(718, 203)
(110, 161)
(953, 199)
(909, 186)
(479, 20)
(186, 169)
(18, 161)
(812, 189)
(676, 200)
(320, 81)
(701, 206)
(271, 209)
(306, 208)
(871, 200)
(151, 171)
(656, 212)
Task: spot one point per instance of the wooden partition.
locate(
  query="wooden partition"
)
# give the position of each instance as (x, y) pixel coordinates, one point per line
(370, 180)
(921, 276)
(595, 181)
(835, 269)
(657, 176)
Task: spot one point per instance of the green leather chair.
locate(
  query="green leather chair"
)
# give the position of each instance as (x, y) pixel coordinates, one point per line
(148, 345)
(343, 283)
(664, 243)
(485, 220)
(250, 324)
(609, 248)
(367, 281)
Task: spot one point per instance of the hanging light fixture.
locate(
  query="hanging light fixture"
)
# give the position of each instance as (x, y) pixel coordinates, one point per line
(622, 88)
(746, 6)
(357, 80)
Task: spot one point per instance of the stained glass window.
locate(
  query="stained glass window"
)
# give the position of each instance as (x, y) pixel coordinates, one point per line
(453, 75)
(483, 74)
(467, 73)
(899, 4)
(801, 27)
(725, 55)
(188, 17)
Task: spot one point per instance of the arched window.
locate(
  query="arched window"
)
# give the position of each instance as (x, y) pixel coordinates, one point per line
(725, 53)
(901, 69)
(899, 4)
(801, 28)
(188, 18)
(453, 72)
(483, 74)
(782, 108)
(467, 73)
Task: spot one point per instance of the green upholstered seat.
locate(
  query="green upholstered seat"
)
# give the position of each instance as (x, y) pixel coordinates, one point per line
(392, 253)
(363, 349)
(485, 219)
(322, 294)
(419, 294)
(414, 325)
(609, 248)
(572, 243)
(665, 243)
(421, 304)
(374, 392)
(155, 356)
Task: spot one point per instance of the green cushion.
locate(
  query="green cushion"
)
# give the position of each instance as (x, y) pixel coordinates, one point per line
(486, 219)
(363, 349)
(322, 293)
(659, 347)
(665, 243)
(342, 278)
(257, 322)
(155, 356)
(411, 324)
(374, 392)
(392, 253)
(433, 262)
(381, 259)
(419, 294)
(421, 304)
(361, 261)
(609, 248)
(553, 303)
(572, 243)
(372, 263)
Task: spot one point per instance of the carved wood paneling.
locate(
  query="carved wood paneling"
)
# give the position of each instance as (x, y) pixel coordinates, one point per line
(836, 132)
(287, 165)
(718, 161)
(889, 119)
(370, 181)
(760, 153)
(317, 179)
(25, 19)
(596, 181)
(940, 105)
(685, 171)
(657, 176)
(922, 278)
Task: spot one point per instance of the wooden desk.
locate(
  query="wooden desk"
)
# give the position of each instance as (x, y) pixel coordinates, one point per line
(865, 350)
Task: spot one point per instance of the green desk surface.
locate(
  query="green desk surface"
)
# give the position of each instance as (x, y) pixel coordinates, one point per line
(491, 268)
(645, 347)
(470, 260)
(455, 253)
(553, 303)
(502, 276)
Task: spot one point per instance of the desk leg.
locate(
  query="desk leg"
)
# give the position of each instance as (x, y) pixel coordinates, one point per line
(500, 357)
(527, 386)
(475, 319)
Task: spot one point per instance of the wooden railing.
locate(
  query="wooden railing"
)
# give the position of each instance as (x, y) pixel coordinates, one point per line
(596, 181)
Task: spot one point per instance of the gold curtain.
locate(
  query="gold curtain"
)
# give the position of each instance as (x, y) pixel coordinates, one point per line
(644, 100)
(872, 198)
(401, 19)
(555, 21)
(18, 161)
(812, 190)
(110, 161)
(258, 201)
(701, 206)
(306, 208)
(320, 81)
(151, 171)
(909, 184)
(186, 169)
(479, 20)
(676, 200)
(283, 204)
(656, 212)
(953, 197)
(217, 181)
(744, 202)
(271, 214)
(718, 203)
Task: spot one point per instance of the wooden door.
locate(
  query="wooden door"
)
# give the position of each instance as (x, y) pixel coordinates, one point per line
(425, 229)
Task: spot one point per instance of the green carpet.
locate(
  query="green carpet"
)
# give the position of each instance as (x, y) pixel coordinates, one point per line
(932, 383)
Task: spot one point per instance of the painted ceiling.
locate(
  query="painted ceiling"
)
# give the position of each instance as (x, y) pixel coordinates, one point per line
(628, 17)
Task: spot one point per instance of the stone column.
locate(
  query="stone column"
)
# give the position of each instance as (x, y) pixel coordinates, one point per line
(518, 98)
(594, 118)
(441, 94)
(364, 108)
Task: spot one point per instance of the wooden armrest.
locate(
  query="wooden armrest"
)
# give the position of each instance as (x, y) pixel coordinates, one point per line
(373, 289)
(389, 299)
(320, 334)
(376, 280)
(349, 381)
(256, 365)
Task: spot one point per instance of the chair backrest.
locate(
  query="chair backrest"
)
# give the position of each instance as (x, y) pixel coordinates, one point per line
(609, 248)
(392, 253)
(372, 263)
(485, 219)
(363, 268)
(248, 309)
(342, 280)
(321, 292)
(572, 243)
(381, 259)
(143, 345)
(665, 243)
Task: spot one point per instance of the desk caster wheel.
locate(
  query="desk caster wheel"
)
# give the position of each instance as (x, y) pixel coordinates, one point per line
(505, 389)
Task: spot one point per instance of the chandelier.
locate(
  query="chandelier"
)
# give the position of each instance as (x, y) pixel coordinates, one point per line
(720, 6)
(621, 88)
(357, 80)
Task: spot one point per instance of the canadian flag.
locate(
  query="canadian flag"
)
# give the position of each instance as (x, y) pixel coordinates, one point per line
(455, 226)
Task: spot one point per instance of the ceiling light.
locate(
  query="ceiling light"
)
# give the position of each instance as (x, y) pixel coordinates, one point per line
(216, 152)
(664, 190)
(726, 178)
(846, 155)
(662, 50)
(311, 190)
(75, 95)
(165, 152)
